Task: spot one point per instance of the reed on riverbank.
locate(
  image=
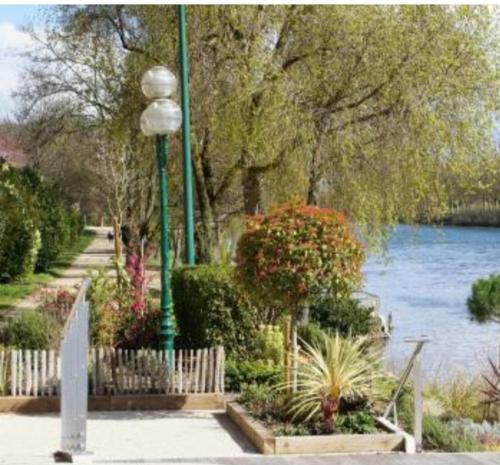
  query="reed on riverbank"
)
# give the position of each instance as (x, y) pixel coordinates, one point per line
(475, 214)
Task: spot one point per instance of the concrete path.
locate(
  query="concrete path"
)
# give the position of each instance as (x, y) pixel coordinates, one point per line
(132, 436)
(96, 255)
(121, 438)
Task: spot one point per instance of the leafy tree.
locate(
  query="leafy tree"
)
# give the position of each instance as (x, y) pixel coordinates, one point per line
(381, 111)
(292, 256)
(295, 254)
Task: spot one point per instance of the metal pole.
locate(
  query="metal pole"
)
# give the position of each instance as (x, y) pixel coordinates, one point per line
(417, 388)
(167, 330)
(186, 139)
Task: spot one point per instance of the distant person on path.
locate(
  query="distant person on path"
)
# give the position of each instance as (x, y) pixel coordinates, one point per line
(110, 236)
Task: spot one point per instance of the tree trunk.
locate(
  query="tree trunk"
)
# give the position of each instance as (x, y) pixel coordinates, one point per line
(314, 176)
(206, 234)
(252, 191)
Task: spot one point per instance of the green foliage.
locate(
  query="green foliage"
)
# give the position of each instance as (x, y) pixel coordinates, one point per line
(296, 253)
(458, 397)
(438, 436)
(211, 310)
(32, 330)
(241, 373)
(335, 370)
(116, 319)
(356, 423)
(104, 319)
(484, 302)
(35, 225)
(311, 334)
(345, 315)
(269, 344)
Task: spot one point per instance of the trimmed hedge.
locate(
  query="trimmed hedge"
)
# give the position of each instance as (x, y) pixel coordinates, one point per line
(211, 310)
(346, 316)
(35, 225)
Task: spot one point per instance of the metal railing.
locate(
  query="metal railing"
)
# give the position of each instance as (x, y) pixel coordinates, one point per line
(413, 366)
(74, 376)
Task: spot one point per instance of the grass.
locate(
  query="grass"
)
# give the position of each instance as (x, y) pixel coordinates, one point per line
(12, 292)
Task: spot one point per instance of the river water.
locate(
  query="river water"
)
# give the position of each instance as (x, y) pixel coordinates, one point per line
(424, 281)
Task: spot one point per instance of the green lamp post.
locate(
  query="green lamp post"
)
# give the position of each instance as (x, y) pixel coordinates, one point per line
(161, 118)
(186, 137)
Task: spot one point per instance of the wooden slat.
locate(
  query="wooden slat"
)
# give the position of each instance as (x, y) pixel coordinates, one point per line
(191, 370)
(179, 372)
(52, 372)
(93, 374)
(119, 369)
(2, 371)
(43, 373)
(28, 373)
(140, 370)
(204, 360)
(197, 371)
(36, 356)
(223, 370)
(100, 371)
(217, 370)
(13, 373)
(171, 373)
(132, 371)
(58, 375)
(211, 365)
(20, 376)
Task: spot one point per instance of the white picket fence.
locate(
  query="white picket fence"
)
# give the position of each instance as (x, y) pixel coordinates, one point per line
(115, 372)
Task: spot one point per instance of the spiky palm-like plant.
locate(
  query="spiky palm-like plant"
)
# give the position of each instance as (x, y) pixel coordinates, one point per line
(337, 368)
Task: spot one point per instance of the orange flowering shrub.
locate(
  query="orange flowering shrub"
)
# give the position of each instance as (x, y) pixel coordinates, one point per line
(296, 253)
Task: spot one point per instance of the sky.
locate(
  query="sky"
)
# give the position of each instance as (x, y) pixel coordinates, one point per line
(13, 42)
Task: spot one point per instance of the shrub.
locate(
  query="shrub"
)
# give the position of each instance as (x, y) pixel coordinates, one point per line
(484, 302)
(56, 304)
(123, 316)
(356, 423)
(297, 253)
(269, 344)
(211, 310)
(32, 330)
(439, 436)
(458, 397)
(337, 369)
(345, 315)
(35, 225)
(19, 237)
(246, 372)
(311, 334)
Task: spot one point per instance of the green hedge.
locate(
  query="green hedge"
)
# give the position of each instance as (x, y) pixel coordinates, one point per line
(35, 226)
(347, 316)
(211, 310)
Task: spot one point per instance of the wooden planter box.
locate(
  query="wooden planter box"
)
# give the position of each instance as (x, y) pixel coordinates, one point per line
(30, 404)
(264, 440)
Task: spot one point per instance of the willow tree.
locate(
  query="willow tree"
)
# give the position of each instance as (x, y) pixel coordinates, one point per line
(380, 111)
(396, 96)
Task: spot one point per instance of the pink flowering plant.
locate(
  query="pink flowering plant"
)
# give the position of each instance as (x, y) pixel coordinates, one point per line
(123, 312)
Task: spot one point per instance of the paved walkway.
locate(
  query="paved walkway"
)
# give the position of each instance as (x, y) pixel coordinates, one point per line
(96, 255)
(177, 437)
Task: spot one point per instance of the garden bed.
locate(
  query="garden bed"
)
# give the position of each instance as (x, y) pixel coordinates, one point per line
(389, 439)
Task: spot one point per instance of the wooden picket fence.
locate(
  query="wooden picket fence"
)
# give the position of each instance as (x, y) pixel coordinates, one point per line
(115, 372)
